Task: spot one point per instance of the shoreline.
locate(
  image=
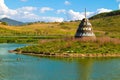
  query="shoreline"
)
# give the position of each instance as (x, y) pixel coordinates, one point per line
(69, 55)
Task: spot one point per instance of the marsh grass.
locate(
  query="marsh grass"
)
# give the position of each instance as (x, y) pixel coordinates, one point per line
(71, 45)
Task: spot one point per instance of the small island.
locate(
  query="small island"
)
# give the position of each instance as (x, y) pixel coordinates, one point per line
(101, 47)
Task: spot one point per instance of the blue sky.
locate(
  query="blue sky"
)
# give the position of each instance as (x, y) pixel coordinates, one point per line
(54, 10)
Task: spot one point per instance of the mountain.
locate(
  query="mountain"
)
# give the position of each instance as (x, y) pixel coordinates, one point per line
(106, 14)
(11, 22)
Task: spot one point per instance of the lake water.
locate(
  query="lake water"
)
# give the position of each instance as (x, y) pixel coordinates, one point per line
(22, 67)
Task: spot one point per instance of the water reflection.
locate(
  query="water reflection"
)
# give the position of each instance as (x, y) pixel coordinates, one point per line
(94, 68)
(22, 67)
(85, 69)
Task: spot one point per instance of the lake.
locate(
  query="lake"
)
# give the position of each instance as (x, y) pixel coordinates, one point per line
(22, 67)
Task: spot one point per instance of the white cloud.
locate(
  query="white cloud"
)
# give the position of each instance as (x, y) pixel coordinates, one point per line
(102, 10)
(5, 11)
(52, 19)
(25, 14)
(44, 9)
(27, 8)
(61, 11)
(1, 1)
(3, 7)
(89, 14)
(72, 15)
(119, 6)
(67, 3)
(17, 14)
(2, 16)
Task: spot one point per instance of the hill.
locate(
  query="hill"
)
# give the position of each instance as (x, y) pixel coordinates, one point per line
(107, 44)
(11, 22)
(107, 25)
(102, 27)
(106, 14)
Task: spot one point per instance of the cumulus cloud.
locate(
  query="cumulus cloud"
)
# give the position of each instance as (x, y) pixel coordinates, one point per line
(25, 14)
(67, 3)
(73, 15)
(102, 10)
(18, 14)
(5, 11)
(52, 19)
(61, 11)
(44, 9)
(27, 8)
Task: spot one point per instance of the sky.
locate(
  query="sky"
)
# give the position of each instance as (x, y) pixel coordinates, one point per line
(54, 10)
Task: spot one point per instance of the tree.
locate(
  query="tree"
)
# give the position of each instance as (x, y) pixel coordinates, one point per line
(4, 23)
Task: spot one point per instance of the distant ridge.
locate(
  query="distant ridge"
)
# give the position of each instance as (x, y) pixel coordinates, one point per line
(11, 22)
(106, 14)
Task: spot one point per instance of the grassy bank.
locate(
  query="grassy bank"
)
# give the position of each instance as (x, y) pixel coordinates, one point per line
(27, 39)
(102, 45)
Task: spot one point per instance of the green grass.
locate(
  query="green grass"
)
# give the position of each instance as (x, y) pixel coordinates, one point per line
(101, 45)
(108, 26)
